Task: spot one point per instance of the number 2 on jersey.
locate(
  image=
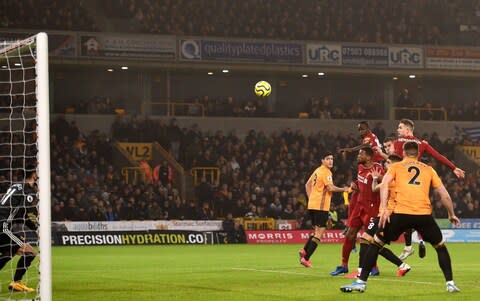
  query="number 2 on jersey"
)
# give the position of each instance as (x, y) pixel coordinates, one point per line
(413, 180)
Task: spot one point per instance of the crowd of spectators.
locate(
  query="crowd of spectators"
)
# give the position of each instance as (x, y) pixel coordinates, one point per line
(455, 111)
(261, 175)
(377, 21)
(46, 14)
(94, 105)
(436, 22)
(464, 111)
(222, 106)
(450, 111)
(322, 108)
(315, 107)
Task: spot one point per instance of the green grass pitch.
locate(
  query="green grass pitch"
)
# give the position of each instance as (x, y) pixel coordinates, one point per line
(243, 272)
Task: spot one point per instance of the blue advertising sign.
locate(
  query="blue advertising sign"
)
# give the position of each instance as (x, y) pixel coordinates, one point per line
(461, 235)
(364, 56)
(468, 223)
(237, 51)
(456, 235)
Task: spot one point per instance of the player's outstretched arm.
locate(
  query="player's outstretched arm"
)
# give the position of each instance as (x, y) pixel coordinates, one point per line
(434, 153)
(353, 149)
(460, 173)
(379, 151)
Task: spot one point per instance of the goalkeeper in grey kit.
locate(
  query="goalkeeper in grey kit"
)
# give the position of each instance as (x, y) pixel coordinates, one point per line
(16, 204)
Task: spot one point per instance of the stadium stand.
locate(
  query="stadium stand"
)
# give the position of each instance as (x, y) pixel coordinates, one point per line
(442, 22)
(57, 15)
(314, 107)
(261, 175)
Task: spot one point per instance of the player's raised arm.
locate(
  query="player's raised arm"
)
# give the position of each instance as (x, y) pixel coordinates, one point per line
(376, 180)
(353, 149)
(434, 153)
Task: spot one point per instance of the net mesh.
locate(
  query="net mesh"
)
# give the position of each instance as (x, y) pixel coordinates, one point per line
(18, 152)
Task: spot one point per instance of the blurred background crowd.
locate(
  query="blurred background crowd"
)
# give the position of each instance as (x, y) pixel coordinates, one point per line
(261, 175)
(435, 22)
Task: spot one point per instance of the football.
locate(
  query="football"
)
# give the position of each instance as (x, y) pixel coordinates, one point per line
(263, 89)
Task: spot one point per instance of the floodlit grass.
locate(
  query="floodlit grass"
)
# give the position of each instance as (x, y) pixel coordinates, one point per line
(239, 272)
(245, 272)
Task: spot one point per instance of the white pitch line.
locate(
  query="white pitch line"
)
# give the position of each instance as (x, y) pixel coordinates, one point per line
(306, 274)
(272, 271)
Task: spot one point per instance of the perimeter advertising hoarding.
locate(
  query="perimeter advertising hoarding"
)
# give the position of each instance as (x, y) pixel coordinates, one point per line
(405, 57)
(59, 44)
(241, 51)
(324, 54)
(364, 56)
(128, 46)
(336, 236)
(452, 58)
(155, 237)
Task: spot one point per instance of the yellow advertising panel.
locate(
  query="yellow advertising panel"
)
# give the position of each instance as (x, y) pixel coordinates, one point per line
(137, 151)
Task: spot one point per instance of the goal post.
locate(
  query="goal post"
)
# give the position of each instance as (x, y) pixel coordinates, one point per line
(43, 138)
(25, 133)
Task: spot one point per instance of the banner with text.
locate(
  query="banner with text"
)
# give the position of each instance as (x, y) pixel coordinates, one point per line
(452, 58)
(191, 225)
(138, 238)
(128, 46)
(405, 57)
(137, 151)
(241, 51)
(364, 56)
(59, 45)
(336, 236)
(324, 54)
(291, 236)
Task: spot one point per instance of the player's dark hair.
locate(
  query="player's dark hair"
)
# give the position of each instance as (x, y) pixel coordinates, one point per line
(368, 150)
(389, 139)
(394, 158)
(408, 122)
(411, 149)
(325, 154)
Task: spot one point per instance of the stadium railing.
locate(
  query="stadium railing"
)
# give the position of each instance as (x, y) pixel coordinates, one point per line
(174, 108)
(259, 224)
(211, 174)
(131, 175)
(409, 111)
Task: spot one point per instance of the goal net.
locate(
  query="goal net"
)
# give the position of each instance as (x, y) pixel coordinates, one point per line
(24, 147)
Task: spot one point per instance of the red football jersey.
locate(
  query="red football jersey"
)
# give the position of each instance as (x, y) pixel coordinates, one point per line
(366, 197)
(423, 147)
(372, 139)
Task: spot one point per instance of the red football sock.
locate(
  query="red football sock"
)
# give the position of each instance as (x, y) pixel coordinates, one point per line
(346, 250)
